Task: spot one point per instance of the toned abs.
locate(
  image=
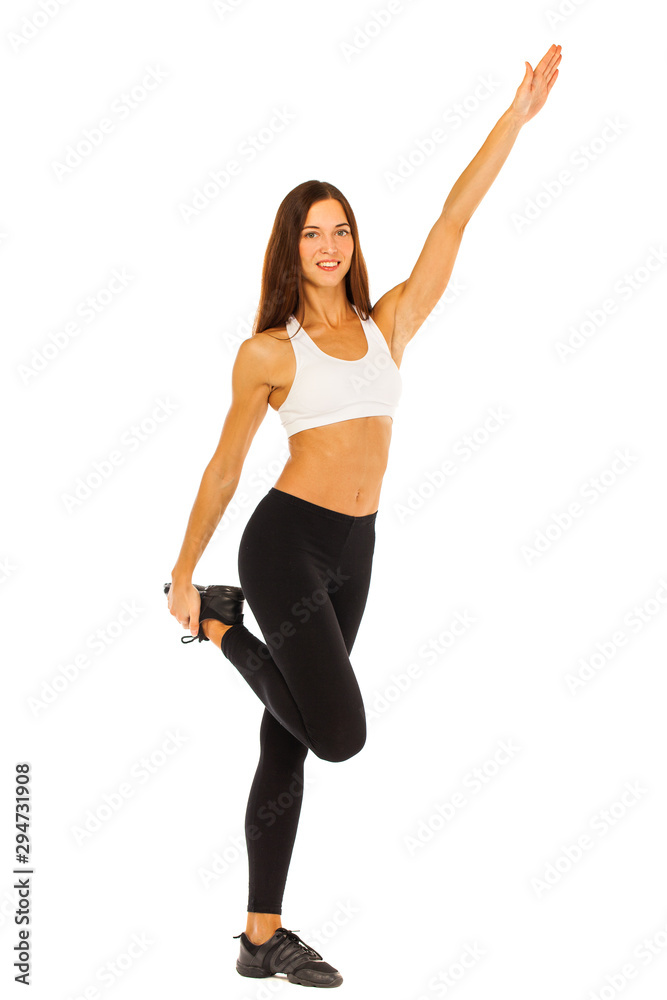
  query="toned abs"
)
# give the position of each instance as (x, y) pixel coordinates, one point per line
(339, 465)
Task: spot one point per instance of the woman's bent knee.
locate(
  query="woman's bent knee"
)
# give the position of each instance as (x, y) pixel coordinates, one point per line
(341, 746)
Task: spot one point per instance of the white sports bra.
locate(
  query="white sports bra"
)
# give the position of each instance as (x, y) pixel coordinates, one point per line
(326, 390)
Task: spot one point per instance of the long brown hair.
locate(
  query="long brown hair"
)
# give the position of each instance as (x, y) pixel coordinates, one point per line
(281, 290)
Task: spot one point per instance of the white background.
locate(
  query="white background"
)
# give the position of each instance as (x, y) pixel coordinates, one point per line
(389, 914)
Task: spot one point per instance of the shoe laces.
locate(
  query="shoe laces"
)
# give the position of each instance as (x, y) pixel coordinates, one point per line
(302, 944)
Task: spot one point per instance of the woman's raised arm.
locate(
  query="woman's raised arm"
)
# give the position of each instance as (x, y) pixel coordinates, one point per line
(404, 308)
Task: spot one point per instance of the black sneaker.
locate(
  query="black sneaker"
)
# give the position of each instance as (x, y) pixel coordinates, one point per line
(219, 601)
(285, 952)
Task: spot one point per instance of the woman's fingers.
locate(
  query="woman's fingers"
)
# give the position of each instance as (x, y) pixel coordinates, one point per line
(550, 60)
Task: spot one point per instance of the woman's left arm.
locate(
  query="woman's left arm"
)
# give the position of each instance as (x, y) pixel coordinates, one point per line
(414, 299)
(481, 172)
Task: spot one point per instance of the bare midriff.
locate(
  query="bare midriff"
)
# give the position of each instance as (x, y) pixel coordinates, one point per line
(340, 466)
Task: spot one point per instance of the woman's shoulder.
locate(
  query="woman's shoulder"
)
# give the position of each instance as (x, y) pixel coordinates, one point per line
(267, 337)
(265, 345)
(276, 332)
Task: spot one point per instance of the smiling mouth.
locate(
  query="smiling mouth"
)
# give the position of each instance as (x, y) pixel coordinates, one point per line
(326, 265)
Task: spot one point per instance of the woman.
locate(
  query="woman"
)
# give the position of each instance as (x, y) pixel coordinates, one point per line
(329, 364)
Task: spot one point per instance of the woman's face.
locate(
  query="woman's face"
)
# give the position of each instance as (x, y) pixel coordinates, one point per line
(326, 236)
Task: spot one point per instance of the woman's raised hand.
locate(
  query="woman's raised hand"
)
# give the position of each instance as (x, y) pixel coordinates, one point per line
(536, 84)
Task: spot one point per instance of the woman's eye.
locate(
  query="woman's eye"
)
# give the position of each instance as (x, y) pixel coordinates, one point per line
(343, 231)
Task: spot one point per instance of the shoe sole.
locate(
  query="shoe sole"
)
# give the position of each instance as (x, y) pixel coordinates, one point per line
(255, 973)
(252, 971)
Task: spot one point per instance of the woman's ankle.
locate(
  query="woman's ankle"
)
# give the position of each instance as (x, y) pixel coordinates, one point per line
(262, 926)
(214, 630)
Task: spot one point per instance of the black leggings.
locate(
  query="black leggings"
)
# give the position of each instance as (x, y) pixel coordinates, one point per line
(305, 572)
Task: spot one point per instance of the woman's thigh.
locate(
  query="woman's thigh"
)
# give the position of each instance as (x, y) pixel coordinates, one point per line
(349, 592)
(305, 578)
